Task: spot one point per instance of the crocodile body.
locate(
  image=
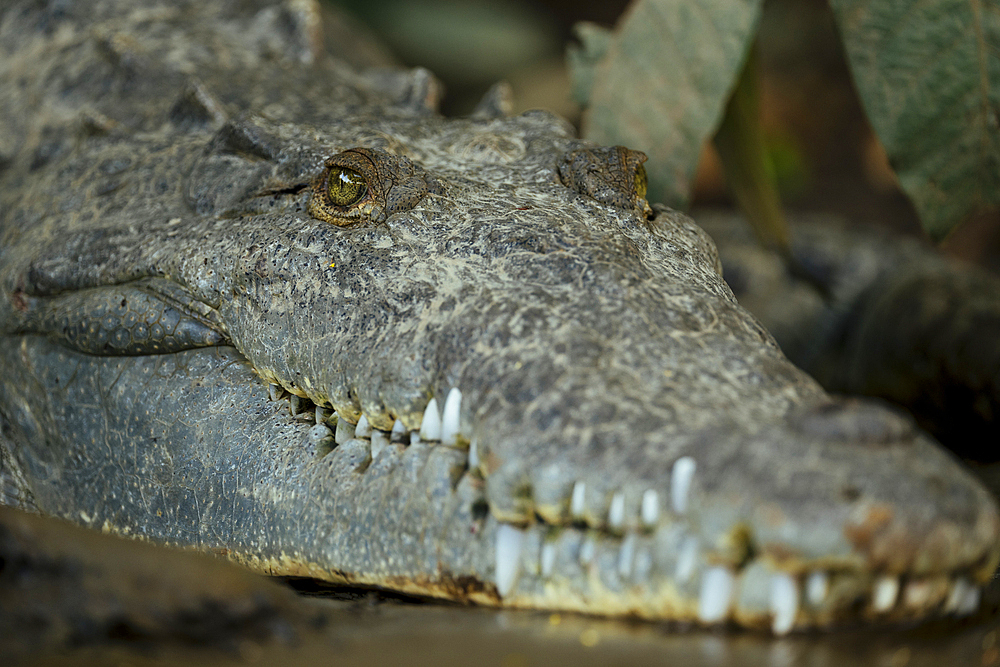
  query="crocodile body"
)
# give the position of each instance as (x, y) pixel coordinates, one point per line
(259, 302)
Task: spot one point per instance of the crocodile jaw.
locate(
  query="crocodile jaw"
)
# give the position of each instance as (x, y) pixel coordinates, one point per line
(401, 512)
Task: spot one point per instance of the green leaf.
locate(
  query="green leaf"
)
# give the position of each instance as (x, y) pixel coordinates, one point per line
(582, 59)
(665, 81)
(928, 72)
(740, 143)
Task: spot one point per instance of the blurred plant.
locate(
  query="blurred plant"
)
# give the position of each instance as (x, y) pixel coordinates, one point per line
(674, 73)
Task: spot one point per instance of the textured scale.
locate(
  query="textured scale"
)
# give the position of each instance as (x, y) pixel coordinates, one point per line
(508, 379)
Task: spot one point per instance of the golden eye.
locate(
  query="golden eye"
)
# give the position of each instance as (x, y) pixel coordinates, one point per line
(640, 182)
(345, 186)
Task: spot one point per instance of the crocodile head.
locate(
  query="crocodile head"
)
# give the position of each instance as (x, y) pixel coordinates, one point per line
(455, 357)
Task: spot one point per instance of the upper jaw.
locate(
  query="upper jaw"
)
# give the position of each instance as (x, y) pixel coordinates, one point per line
(644, 476)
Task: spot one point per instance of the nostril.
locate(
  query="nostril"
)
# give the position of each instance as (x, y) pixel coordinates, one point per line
(856, 421)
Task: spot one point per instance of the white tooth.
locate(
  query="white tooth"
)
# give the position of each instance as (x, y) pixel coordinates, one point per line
(275, 391)
(784, 603)
(616, 513)
(817, 586)
(717, 585)
(398, 432)
(970, 602)
(587, 550)
(380, 440)
(576, 500)
(322, 415)
(414, 438)
(643, 564)
(885, 593)
(625, 556)
(548, 558)
(474, 454)
(687, 557)
(650, 507)
(345, 431)
(363, 429)
(449, 421)
(509, 542)
(680, 483)
(956, 595)
(963, 599)
(430, 427)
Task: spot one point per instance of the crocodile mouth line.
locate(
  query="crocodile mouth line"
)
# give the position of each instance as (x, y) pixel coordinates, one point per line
(697, 584)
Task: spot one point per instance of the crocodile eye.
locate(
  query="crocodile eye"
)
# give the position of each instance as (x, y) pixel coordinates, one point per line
(640, 182)
(345, 186)
(367, 185)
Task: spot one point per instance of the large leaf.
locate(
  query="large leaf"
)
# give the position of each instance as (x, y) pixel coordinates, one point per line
(665, 80)
(928, 72)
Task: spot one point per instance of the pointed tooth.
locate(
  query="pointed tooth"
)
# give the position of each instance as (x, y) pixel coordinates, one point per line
(450, 418)
(587, 549)
(508, 552)
(616, 512)
(643, 565)
(430, 427)
(955, 595)
(548, 559)
(576, 500)
(275, 391)
(963, 599)
(474, 454)
(650, 512)
(363, 429)
(380, 440)
(784, 603)
(717, 585)
(399, 432)
(687, 558)
(970, 601)
(680, 483)
(345, 431)
(626, 555)
(817, 586)
(322, 415)
(885, 592)
(297, 405)
(321, 437)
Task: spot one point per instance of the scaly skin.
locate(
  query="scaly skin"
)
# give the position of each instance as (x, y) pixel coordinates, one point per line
(626, 439)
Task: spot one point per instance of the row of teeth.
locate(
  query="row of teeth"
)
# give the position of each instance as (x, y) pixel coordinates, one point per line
(788, 594)
(444, 428)
(435, 426)
(718, 585)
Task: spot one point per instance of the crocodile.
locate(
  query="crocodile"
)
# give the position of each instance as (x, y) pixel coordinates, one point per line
(263, 301)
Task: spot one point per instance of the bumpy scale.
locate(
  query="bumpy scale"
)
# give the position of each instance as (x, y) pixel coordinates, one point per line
(455, 357)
